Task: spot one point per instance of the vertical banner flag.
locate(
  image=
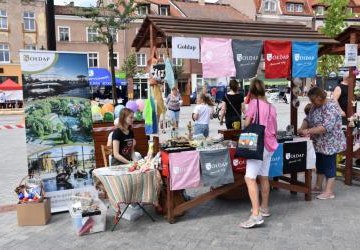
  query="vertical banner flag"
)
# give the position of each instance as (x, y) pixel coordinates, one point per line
(304, 59)
(276, 164)
(59, 139)
(185, 47)
(351, 54)
(294, 156)
(277, 59)
(216, 167)
(247, 55)
(217, 58)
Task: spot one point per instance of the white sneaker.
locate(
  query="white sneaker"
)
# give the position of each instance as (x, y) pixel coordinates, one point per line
(252, 221)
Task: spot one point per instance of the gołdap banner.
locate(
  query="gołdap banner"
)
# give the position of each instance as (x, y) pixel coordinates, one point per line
(58, 123)
(247, 55)
(217, 58)
(276, 164)
(304, 59)
(294, 155)
(277, 59)
(185, 47)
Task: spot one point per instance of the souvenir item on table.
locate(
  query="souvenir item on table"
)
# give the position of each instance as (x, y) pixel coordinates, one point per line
(108, 117)
(30, 189)
(132, 105)
(96, 113)
(251, 140)
(283, 136)
(138, 116)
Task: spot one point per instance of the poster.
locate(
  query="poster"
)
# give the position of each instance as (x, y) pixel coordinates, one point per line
(247, 55)
(217, 58)
(58, 123)
(277, 59)
(185, 47)
(294, 155)
(351, 54)
(304, 59)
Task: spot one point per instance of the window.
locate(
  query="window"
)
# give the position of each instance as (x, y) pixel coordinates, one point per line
(177, 62)
(141, 60)
(320, 10)
(114, 35)
(93, 60)
(270, 6)
(30, 47)
(164, 10)
(116, 59)
(143, 10)
(64, 34)
(290, 7)
(3, 20)
(4, 53)
(29, 21)
(299, 8)
(91, 34)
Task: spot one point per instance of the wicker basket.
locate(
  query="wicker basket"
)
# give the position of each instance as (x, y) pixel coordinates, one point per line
(27, 183)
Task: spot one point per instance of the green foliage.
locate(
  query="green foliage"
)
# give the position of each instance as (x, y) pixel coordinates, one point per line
(335, 16)
(129, 65)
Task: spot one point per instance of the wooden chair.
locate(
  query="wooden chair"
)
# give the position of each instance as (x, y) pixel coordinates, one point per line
(106, 152)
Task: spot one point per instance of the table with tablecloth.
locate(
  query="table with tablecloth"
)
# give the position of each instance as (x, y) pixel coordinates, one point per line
(124, 187)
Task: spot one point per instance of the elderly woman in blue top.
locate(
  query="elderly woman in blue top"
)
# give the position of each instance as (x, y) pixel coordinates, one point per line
(323, 125)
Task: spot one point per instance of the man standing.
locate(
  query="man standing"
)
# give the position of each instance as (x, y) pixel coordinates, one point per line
(2, 99)
(340, 95)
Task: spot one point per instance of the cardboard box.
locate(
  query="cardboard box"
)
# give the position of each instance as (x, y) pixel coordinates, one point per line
(34, 214)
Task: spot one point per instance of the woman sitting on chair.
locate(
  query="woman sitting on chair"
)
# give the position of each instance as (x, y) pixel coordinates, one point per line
(123, 141)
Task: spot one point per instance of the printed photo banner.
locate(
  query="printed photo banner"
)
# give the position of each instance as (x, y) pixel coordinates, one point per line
(247, 55)
(217, 58)
(216, 167)
(277, 56)
(304, 59)
(185, 47)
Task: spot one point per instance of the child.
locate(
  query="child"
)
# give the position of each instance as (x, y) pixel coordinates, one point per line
(306, 110)
(201, 115)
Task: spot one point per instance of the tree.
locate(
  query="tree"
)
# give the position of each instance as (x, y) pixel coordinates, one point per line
(129, 65)
(335, 16)
(108, 20)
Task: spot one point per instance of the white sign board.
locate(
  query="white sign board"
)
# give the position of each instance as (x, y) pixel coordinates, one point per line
(351, 54)
(185, 47)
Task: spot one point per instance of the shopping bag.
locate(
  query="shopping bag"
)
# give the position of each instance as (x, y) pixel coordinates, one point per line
(251, 140)
(216, 167)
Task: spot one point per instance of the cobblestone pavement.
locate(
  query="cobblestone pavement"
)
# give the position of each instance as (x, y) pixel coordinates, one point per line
(294, 224)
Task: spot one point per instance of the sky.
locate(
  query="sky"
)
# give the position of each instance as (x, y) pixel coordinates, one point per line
(85, 3)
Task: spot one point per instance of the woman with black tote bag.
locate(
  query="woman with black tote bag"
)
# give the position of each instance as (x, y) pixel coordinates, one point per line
(261, 112)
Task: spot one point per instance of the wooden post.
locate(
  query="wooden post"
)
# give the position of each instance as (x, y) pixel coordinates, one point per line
(350, 112)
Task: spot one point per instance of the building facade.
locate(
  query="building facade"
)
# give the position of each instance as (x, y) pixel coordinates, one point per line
(22, 26)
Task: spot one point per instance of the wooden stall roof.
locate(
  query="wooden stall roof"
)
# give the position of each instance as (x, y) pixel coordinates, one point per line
(165, 27)
(343, 38)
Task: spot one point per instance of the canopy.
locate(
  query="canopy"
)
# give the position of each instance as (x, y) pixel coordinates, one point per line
(102, 77)
(10, 85)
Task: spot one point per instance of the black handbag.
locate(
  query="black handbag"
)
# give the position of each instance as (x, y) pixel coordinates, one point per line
(251, 140)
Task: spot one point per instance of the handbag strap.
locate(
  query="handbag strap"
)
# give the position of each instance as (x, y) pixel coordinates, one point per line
(257, 117)
(232, 106)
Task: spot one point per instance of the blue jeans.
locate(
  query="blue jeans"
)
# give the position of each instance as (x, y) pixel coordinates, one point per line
(201, 129)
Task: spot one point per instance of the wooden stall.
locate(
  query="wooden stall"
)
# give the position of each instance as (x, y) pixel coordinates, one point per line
(350, 35)
(102, 130)
(156, 32)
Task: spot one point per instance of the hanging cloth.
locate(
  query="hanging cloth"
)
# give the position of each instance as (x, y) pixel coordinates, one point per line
(169, 73)
(148, 115)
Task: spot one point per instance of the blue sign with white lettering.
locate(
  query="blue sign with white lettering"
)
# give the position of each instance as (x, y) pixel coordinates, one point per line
(304, 59)
(276, 164)
(102, 77)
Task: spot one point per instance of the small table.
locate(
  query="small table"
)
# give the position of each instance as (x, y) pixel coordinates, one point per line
(125, 187)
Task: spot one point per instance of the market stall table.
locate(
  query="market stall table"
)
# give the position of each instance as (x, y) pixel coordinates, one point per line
(125, 187)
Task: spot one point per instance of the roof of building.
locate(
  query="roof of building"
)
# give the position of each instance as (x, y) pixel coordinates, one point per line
(210, 11)
(307, 10)
(246, 30)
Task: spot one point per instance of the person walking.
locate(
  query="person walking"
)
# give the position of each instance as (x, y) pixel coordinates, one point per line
(340, 95)
(201, 115)
(254, 168)
(232, 106)
(323, 126)
(2, 100)
(173, 103)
